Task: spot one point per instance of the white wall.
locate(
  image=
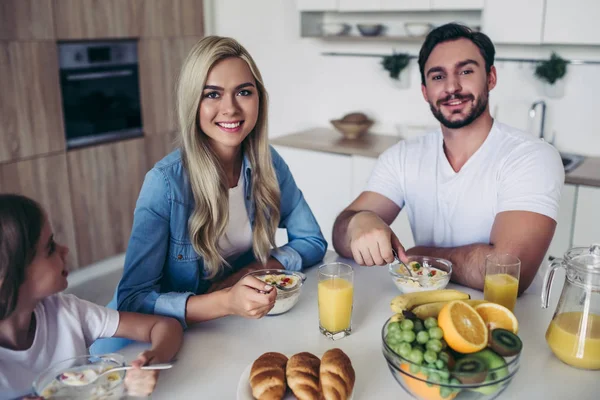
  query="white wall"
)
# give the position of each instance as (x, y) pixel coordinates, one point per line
(308, 89)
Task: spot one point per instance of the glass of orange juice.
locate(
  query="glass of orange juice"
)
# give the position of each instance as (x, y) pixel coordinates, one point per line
(335, 296)
(501, 284)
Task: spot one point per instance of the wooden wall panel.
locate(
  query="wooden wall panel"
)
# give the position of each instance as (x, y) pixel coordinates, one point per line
(160, 63)
(105, 183)
(30, 102)
(158, 146)
(46, 180)
(26, 20)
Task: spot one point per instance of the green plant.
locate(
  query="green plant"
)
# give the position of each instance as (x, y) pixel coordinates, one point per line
(551, 70)
(395, 64)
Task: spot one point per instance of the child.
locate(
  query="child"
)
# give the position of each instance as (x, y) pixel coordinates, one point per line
(39, 326)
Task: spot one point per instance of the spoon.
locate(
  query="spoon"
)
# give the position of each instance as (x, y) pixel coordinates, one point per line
(400, 262)
(92, 375)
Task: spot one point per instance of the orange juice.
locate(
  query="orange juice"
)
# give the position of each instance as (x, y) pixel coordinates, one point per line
(501, 289)
(580, 352)
(335, 304)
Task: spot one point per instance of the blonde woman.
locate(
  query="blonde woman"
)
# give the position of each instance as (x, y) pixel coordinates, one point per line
(207, 213)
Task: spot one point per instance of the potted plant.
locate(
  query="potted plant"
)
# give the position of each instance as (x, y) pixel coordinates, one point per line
(395, 64)
(551, 73)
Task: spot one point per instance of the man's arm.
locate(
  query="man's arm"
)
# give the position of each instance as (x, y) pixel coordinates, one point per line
(524, 234)
(362, 231)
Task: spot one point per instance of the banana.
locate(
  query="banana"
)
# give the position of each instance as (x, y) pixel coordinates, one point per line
(397, 318)
(408, 301)
(433, 309)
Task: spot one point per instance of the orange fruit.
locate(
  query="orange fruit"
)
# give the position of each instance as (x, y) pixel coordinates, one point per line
(497, 316)
(420, 389)
(464, 329)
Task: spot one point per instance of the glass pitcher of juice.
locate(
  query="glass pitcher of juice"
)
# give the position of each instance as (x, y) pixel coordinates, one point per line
(574, 333)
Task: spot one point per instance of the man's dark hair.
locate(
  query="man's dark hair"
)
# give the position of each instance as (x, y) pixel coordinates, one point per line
(450, 32)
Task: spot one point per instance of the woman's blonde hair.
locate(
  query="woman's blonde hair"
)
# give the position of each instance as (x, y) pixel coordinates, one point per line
(207, 177)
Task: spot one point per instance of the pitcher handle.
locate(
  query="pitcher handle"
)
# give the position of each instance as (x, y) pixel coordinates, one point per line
(556, 263)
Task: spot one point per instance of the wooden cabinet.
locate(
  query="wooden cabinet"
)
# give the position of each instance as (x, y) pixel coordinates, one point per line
(513, 21)
(573, 22)
(26, 20)
(361, 171)
(562, 240)
(317, 5)
(457, 4)
(45, 179)
(160, 63)
(325, 181)
(158, 146)
(587, 219)
(165, 18)
(105, 183)
(30, 102)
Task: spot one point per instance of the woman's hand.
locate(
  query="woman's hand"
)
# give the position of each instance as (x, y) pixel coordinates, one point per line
(142, 382)
(232, 279)
(251, 298)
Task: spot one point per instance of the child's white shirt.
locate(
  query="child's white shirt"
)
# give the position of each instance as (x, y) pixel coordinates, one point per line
(65, 327)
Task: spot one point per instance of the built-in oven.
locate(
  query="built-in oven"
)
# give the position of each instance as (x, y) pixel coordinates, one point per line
(100, 91)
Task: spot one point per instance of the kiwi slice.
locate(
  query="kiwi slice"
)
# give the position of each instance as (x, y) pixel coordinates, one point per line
(505, 343)
(470, 370)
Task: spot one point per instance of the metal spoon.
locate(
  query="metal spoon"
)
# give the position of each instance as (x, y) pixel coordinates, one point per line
(111, 370)
(401, 263)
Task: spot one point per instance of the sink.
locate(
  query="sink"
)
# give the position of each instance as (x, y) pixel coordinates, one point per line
(571, 161)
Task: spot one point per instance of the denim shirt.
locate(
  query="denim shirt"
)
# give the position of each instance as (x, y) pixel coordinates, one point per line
(162, 269)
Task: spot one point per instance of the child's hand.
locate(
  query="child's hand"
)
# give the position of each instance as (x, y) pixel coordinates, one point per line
(142, 382)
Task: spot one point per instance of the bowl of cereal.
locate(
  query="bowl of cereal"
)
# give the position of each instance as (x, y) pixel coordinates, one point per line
(75, 378)
(288, 285)
(426, 273)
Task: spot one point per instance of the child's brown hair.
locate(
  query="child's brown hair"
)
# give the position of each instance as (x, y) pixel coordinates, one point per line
(21, 222)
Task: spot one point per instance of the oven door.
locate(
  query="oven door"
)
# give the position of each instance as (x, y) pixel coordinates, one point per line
(101, 104)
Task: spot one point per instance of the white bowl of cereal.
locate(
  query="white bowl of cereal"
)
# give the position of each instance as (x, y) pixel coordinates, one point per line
(288, 285)
(428, 273)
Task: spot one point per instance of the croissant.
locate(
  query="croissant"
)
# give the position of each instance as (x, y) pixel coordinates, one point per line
(267, 376)
(337, 375)
(302, 374)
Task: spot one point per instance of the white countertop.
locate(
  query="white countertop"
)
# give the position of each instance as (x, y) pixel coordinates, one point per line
(215, 353)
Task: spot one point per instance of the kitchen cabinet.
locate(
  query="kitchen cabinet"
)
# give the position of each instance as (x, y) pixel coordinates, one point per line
(26, 20)
(361, 171)
(161, 58)
(587, 219)
(457, 4)
(45, 179)
(97, 19)
(166, 18)
(317, 5)
(561, 242)
(30, 102)
(514, 21)
(105, 183)
(573, 23)
(325, 180)
(383, 5)
(158, 146)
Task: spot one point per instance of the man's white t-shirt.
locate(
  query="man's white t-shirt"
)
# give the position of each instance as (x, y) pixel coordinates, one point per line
(512, 170)
(65, 327)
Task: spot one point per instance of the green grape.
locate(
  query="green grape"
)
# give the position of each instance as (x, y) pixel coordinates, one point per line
(444, 374)
(404, 349)
(445, 392)
(436, 333)
(393, 327)
(416, 356)
(414, 369)
(440, 364)
(445, 356)
(391, 340)
(430, 356)
(418, 325)
(397, 335)
(422, 337)
(454, 381)
(407, 325)
(434, 345)
(408, 336)
(430, 323)
(434, 377)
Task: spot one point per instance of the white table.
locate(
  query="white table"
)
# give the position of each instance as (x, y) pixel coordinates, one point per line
(215, 353)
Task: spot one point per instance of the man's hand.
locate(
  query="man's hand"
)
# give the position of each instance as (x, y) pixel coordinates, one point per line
(372, 240)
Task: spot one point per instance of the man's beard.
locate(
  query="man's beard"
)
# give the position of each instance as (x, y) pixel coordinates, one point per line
(477, 109)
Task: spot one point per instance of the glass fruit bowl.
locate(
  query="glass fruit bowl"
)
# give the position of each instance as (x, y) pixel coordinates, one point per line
(426, 382)
(428, 273)
(109, 386)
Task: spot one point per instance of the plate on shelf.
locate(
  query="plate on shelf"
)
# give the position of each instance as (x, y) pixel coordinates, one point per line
(244, 390)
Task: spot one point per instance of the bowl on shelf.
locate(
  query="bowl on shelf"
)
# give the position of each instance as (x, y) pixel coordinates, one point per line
(425, 382)
(370, 29)
(353, 125)
(335, 29)
(290, 281)
(417, 28)
(428, 273)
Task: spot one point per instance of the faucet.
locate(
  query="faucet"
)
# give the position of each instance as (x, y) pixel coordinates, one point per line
(532, 115)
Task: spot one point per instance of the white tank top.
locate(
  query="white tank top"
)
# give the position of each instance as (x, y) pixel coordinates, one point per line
(237, 238)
